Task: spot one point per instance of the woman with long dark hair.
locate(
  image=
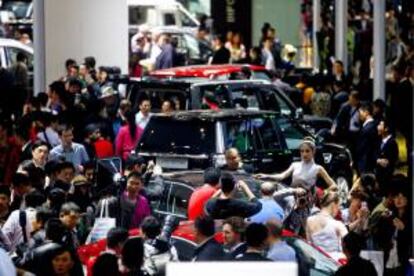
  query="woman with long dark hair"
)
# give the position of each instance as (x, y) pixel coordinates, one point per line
(128, 136)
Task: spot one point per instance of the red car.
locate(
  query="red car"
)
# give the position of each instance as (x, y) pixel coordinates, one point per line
(311, 260)
(217, 72)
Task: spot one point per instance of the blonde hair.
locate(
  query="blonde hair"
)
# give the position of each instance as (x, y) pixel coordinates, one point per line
(328, 198)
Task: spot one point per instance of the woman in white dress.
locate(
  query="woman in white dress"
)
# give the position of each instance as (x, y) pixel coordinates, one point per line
(323, 230)
(306, 170)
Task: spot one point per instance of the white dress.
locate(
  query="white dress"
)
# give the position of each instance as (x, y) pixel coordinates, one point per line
(328, 238)
(305, 172)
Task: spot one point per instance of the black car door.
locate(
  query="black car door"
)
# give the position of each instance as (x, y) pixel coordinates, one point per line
(159, 207)
(178, 199)
(270, 153)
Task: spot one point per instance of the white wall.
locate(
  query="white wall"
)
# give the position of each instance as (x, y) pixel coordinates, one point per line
(79, 28)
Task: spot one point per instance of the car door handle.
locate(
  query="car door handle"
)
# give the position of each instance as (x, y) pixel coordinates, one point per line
(267, 160)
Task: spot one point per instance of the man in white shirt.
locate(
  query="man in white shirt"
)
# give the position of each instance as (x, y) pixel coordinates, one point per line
(19, 219)
(268, 58)
(143, 116)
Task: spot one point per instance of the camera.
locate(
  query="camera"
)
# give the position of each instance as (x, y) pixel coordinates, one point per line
(162, 242)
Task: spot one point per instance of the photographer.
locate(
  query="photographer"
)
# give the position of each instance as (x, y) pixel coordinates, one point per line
(223, 204)
(157, 249)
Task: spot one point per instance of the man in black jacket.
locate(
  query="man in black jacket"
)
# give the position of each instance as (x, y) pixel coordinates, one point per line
(346, 124)
(221, 53)
(367, 142)
(256, 237)
(387, 156)
(223, 204)
(208, 248)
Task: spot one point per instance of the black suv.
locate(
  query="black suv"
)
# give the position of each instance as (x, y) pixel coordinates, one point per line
(189, 94)
(266, 140)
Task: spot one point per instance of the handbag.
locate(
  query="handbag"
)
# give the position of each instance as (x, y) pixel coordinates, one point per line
(101, 225)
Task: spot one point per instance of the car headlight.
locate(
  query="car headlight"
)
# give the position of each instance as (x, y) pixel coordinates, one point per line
(327, 157)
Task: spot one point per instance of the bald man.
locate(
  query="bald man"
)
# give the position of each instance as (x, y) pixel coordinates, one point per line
(234, 162)
(270, 208)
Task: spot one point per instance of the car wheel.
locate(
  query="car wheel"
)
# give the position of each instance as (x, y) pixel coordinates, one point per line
(343, 190)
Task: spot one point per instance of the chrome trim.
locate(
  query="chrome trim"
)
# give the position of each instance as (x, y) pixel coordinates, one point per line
(173, 155)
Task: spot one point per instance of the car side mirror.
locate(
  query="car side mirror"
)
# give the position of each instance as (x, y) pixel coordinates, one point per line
(299, 113)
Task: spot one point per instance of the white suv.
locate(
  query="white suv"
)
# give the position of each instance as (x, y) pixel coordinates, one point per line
(9, 48)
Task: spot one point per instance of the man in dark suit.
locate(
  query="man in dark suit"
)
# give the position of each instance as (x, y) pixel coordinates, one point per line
(208, 248)
(367, 142)
(387, 156)
(346, 125)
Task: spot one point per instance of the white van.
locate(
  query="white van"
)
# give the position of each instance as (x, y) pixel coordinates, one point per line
(158, 13)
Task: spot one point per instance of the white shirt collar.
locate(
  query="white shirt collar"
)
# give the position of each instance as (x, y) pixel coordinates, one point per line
(386, 139)
(367, 121)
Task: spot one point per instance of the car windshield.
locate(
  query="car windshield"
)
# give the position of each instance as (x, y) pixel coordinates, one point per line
(18, 8)
(157, 96)
(251, 134)
(260, 75)
(181, 137)
(312, 259)
(138, 14)
(186, 21)
(293, 134)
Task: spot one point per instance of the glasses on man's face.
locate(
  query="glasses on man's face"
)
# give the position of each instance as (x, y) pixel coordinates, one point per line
(305, 150)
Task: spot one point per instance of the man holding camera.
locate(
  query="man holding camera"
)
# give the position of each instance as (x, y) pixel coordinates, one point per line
(224, 205)
(157, 249)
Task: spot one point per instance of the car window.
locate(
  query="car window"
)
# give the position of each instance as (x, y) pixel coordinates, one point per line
(272, 100)
(19, 8)
(260, 75)
(311, 258)
(251, 134)
(157, 96)
(12, 53)
(236, 135)
(215, 95)
(159, 206)
(178, 199)
(186, 21)
(294, 135)
(245, 98)
(169, 19)
(192, 46)
(264, 134)
(181, 137)
(138, 14)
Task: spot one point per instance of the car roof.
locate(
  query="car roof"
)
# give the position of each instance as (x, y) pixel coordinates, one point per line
(15, 43)
(171, 29)
(204, 70)
(209, 114)
(197, 81)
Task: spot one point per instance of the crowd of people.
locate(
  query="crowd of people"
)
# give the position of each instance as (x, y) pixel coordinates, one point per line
(50, 200)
